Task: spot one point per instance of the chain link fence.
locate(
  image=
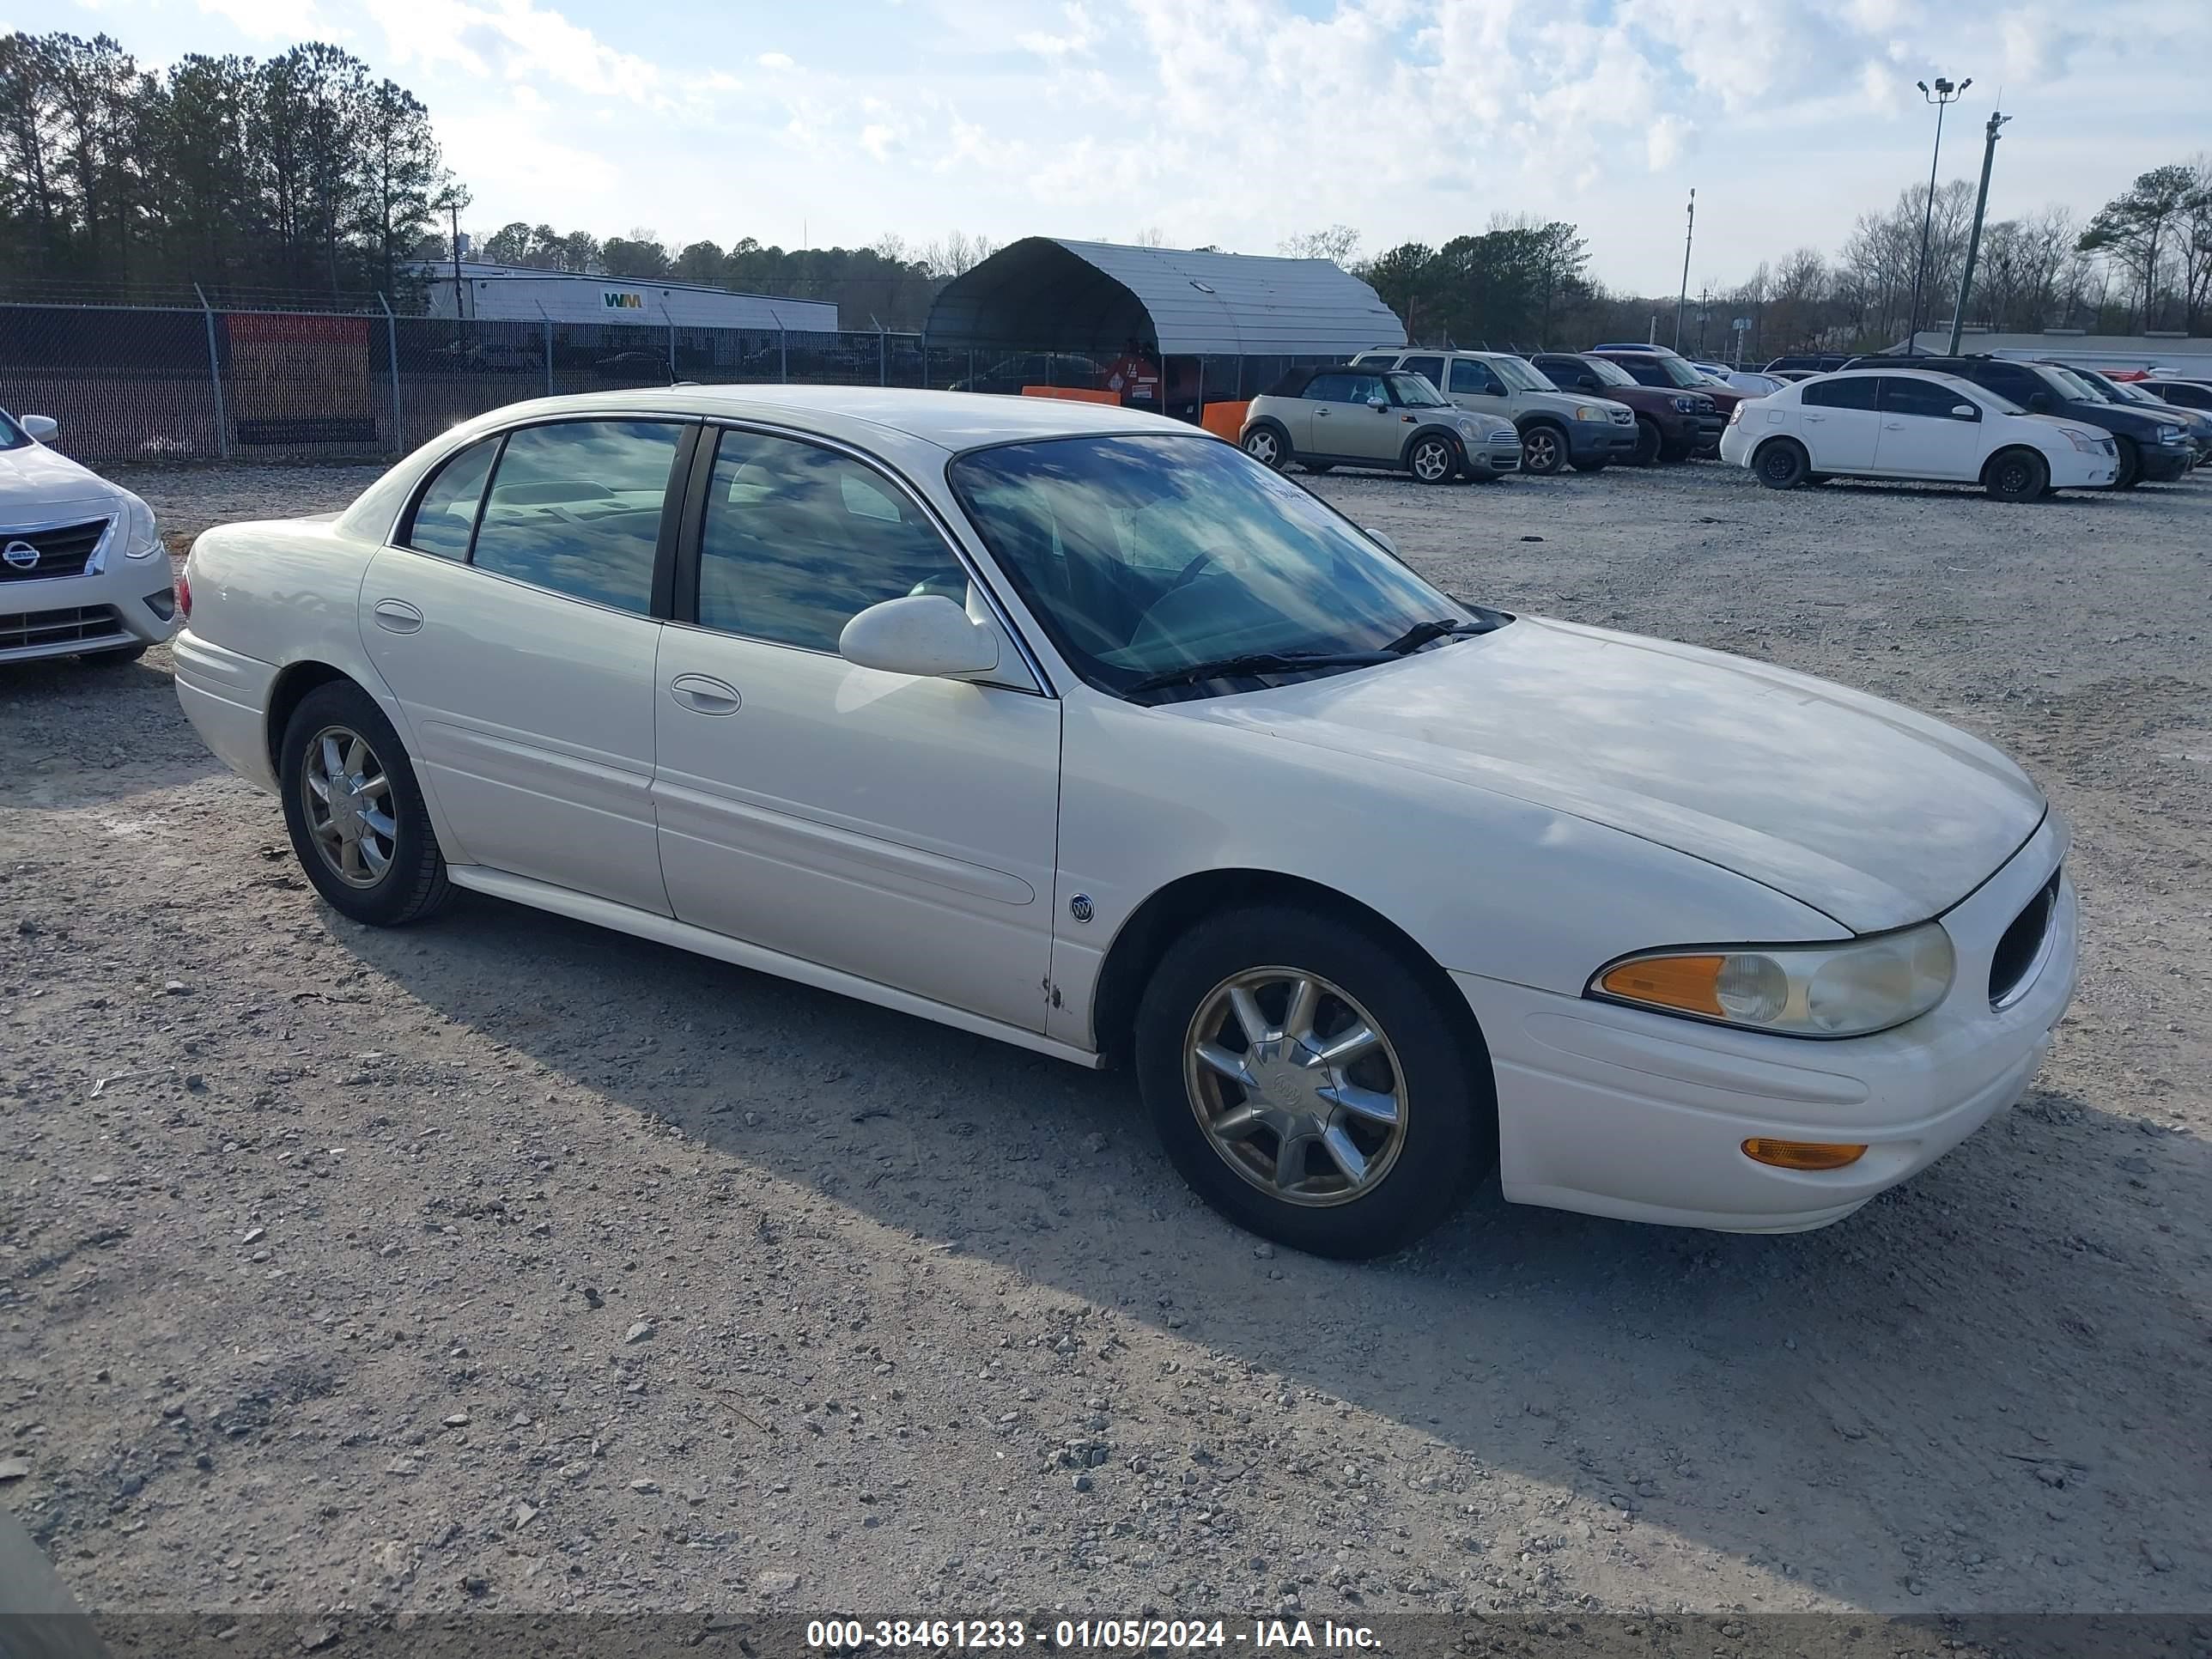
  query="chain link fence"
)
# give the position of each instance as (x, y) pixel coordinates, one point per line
(147, 384)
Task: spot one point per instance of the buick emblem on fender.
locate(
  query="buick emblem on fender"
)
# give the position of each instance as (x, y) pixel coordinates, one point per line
(20, 554)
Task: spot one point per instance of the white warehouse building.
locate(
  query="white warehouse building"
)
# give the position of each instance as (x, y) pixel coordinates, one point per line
(518, 295)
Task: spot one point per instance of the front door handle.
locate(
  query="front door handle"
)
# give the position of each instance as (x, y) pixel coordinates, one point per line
(704, 695)
(398, 615)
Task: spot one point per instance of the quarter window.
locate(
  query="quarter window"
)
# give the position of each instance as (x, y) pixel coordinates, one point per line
(576, 509)
(446, 516)
(799, 540)
(1847, 391)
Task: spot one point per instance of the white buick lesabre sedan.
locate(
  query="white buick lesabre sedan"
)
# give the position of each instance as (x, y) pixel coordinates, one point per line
(82, 571)
(1078, 728)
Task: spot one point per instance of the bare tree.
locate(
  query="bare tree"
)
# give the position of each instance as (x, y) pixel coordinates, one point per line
(1337, 242)
(957, 252)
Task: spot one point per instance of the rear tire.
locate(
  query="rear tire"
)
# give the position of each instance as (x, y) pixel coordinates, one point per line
(369, 849)
(1649, 443)
(1543, 450)
(1367, 1179)
(1782, 463)
(1267, 446)
(2016, 475)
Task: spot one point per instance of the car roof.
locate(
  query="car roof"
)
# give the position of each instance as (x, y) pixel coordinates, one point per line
(951, 420)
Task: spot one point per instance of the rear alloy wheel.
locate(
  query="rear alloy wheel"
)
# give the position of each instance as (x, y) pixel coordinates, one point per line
(1433, 460)
(1782, 463)
(2016, 475)
(2129, 472)
(1265, 445)
(1648, 444)
(1309, 1085)
(355, 811)
(1543, 451)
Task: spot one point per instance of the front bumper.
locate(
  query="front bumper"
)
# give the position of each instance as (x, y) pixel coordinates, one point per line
(1709, 429)
(112, 605)
(1618, 1112)
(1493, 460)
(2164, 463)
(1601, 440)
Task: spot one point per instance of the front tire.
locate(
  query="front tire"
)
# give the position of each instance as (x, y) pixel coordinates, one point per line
(1433, 460)
(115, 659)
(1782, 463)
(2016, 475)
(1267, 446)
(354, 810)
(1649, 443)
(1543, 451)
(2129, 472)
(1309, 1085)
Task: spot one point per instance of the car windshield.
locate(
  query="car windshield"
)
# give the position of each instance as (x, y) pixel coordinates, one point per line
(1678, 371)
(1141, 556)
(1609, 373)
(11, 435)
(1414, 391)
(2074, 386)
(1521, 377)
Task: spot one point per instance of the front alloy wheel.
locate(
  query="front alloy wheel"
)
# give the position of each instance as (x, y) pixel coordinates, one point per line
(1433, 460)
(1264, 446)
(1295, 1085)
(1542, 451)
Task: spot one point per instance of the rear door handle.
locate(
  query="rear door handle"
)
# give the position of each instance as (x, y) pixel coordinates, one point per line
(704, 695)
(398, 615)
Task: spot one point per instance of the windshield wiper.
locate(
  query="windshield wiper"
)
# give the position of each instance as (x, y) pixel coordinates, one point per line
(1421, 633)
(1257, 662)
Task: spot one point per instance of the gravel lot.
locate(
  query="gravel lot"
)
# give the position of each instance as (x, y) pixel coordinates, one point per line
(502, 1262)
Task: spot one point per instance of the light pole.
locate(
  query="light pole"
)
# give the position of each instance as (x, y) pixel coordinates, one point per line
(1689, 236)
(1942, 97)
(1974, 240)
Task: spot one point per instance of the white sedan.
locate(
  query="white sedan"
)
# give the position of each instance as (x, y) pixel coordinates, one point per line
(82, 571)
(1078, 728)
(1913, 424)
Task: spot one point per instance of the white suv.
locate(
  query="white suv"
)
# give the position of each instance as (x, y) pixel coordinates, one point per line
(82, 571)
(1913, 424)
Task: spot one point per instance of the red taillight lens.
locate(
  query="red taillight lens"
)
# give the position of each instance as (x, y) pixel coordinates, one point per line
(184, 594)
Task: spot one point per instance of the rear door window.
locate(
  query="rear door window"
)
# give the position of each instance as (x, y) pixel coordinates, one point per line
(1852, 392)
(1432, 366)
(576, 507)
(1902, 394)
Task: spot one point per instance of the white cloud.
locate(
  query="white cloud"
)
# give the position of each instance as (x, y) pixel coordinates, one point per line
(513, 39)
(262, 19)
(1075, 41)
(776, 60)
(876, 139)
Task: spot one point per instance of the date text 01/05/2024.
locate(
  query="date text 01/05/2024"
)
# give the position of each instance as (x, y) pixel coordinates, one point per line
(845, 1635)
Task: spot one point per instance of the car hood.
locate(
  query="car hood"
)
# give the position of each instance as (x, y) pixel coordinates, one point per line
(1565, 402)
(37, 484)
(1865, 811)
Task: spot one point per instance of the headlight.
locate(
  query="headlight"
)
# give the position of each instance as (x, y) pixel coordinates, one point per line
(2084, 442)
(2169, 434)
(1468, 429)
(1591, 412)
(1685, 404)
(140, 539)
(1793, 990)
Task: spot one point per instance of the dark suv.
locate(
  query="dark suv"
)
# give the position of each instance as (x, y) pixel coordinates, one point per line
(2149, 449)
(1671, 425)
(1664, 369)
(1808, 363)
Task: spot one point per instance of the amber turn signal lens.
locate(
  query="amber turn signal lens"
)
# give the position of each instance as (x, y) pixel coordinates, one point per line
(1803, 1154)
(1689, 983)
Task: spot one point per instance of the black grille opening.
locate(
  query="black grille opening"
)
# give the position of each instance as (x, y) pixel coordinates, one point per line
(62, 551)
(26, 628)
(2022, 942)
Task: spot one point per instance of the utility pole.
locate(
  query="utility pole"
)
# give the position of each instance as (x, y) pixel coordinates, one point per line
(1944, 96)
(1682, 299)
(1974, 241)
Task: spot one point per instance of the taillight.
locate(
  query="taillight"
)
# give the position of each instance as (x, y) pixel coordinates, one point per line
(1735, 416)
(184, 594)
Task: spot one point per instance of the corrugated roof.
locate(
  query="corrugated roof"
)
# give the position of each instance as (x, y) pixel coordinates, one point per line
(1048, 292)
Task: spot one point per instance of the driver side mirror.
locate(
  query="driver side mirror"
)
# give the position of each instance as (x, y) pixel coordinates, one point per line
(924, 633)
(1381, 538)
(1965, 412)
(44, 427)
(1378, 404)
(2038, 403)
